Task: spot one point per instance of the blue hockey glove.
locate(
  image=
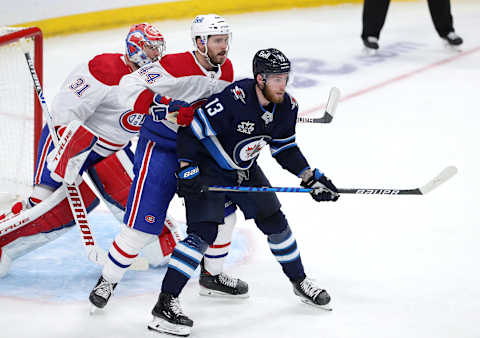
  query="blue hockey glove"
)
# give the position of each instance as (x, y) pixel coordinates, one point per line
(323, 188)
(188, 180)
(165, 108)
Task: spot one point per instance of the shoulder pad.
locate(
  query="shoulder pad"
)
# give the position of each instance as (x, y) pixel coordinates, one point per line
(293, 102)
(238, 93)
(227, 71)
(180, 65)
(108, 68)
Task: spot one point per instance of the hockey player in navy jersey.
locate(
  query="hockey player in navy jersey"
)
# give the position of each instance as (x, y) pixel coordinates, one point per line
(220, 147)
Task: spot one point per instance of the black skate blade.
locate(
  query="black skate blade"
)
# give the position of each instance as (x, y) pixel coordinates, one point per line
(322, 307)
(219, 294)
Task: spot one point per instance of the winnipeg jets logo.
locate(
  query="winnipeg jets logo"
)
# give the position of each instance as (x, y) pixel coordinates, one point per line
(251, 149)
(239, 94)
(246, 127)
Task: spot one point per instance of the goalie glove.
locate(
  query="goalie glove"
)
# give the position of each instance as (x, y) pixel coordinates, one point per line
(188, 180)
(323, 188)
(175, 111)
(67, 159)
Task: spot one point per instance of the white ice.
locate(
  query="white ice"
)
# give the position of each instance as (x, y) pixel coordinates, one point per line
(396, 266)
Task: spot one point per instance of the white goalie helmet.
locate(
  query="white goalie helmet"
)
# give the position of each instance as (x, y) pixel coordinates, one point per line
(205, 25)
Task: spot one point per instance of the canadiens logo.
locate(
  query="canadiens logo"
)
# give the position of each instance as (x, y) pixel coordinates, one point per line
(246, 127)
(131, 121)
(238, 94)
(150, 219)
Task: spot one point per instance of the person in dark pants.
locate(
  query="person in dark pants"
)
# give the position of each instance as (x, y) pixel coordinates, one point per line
(375, 12)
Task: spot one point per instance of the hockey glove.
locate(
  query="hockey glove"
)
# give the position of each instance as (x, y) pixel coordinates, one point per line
(165, 108)
(188, 180)
(323, 188)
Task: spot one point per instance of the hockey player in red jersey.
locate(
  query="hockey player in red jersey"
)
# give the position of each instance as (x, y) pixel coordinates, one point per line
(189, 77)
(86, 107)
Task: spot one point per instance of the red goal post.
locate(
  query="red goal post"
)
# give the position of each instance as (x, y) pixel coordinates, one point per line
(20, 111)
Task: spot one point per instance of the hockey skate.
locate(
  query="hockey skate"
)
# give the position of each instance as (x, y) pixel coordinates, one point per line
(311, 294)
(100, 294)
(168, 317)
(221, 285)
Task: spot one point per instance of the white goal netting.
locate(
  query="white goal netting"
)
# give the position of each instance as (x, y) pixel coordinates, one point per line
(17, 116)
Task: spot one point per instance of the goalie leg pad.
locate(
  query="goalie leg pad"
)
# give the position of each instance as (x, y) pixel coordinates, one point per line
(66, 160)
(122, 253)
(113, 178)
(51, 215)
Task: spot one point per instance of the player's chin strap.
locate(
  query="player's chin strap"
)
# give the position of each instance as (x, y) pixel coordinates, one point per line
(94, 253)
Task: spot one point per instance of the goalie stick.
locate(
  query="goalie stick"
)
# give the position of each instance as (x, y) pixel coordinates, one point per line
(434, 183)
(330, 108)
(95, 253)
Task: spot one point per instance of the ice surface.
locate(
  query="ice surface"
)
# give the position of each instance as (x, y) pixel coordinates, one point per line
(395, 266)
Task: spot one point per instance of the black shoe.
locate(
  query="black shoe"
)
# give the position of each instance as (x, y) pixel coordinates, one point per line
(168, 317)
(101, 293)
(453, 39)
(222, 285)
(310, 293)
(370, 42)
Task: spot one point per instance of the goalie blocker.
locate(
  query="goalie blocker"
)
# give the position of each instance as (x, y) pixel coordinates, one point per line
(49, 219)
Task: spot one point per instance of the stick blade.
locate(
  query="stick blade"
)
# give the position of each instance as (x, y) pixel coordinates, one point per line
(441, 178)
(332, 101)
(331, 106)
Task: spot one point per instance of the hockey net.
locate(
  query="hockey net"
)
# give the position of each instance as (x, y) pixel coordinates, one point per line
(20, 112)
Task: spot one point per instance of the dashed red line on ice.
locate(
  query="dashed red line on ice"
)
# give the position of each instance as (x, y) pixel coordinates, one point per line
(395, 79)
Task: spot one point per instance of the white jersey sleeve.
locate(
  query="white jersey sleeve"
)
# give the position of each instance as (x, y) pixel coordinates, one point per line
(178, 76)
(79, 96)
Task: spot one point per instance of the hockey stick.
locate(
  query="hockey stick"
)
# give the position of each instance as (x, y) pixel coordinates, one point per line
(330, 109)
(438, 180)
(95, 253)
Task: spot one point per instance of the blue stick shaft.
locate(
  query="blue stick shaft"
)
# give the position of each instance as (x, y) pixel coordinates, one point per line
(257, 189)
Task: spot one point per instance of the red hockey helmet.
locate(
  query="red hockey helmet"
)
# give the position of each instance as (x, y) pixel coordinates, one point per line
(140, 37)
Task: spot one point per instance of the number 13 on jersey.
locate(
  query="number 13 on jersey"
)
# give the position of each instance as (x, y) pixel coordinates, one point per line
(214, 107)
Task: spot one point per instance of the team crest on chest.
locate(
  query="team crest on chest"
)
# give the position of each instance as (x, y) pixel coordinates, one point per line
(131, 121)
(246, 127)
(238, 94)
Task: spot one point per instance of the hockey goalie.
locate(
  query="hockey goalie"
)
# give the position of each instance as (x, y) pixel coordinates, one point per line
(95, 137)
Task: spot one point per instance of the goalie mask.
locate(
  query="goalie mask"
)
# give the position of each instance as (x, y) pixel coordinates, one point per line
(145, 44)
(204, 26)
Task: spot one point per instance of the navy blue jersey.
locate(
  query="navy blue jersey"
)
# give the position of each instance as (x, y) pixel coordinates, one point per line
(233, 127)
